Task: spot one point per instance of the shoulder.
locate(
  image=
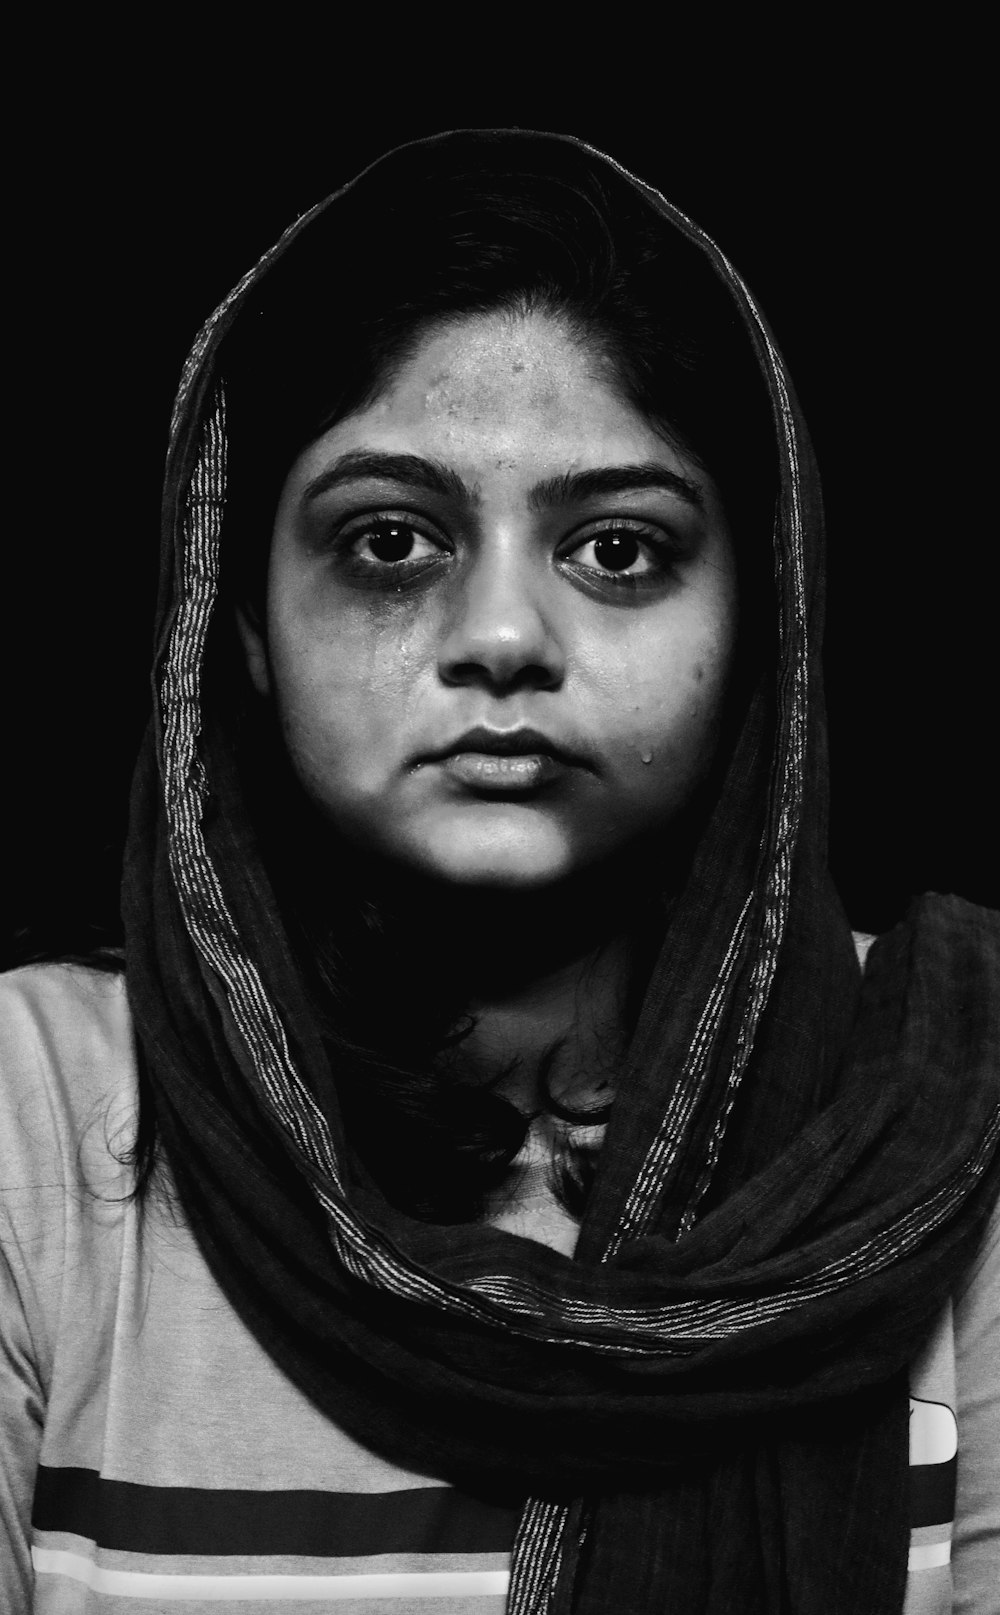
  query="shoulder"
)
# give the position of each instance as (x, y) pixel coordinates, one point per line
(60, 992)
(977, 1378)
(940, 927)
(67, 1069)
(977, 1297)
(67, 1108)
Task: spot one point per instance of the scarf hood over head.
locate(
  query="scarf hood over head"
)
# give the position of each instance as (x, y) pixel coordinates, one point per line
(694, 1405)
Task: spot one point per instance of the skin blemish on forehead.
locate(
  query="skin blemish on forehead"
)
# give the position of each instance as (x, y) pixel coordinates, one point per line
(443, 399)
(499, 376)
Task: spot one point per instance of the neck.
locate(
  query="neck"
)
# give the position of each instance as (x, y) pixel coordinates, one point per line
(537, 972)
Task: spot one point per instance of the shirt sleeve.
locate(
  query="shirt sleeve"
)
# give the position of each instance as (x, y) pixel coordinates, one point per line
(63, 1049)
(976, 1549)
(21, 1404)
(31, 1256)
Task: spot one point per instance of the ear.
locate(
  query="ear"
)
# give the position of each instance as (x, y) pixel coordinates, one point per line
(254, 648)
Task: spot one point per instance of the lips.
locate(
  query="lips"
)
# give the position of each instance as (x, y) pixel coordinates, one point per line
(505, 761)
(483, 771)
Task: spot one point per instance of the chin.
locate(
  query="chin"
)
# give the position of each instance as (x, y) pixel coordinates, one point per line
(499, 856)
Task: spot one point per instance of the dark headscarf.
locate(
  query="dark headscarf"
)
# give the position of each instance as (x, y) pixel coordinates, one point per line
(707, 1406)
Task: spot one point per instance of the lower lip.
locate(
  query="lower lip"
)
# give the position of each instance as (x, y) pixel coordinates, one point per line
(487, 771)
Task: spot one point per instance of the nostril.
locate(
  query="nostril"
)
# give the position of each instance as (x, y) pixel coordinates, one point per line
(498, 676)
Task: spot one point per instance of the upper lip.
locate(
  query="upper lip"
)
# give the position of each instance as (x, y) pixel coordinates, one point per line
(519, 742)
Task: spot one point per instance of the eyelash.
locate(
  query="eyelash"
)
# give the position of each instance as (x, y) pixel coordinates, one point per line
(370, 571)
(661, 547)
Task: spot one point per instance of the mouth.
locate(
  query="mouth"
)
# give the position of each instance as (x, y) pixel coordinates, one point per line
(507, 762)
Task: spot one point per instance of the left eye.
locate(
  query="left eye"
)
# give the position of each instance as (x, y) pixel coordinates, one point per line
(617, 551)
(391, 541)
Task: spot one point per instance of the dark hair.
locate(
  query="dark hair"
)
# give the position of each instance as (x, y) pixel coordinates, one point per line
(430, 234)
(438, 231)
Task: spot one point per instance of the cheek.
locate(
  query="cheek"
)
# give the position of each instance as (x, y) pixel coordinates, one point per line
(346, 682)
(686, 704)
(664, 711)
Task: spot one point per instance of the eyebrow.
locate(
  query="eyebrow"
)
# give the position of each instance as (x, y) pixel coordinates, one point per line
(570, 487)
(573, 487)
(412, 469)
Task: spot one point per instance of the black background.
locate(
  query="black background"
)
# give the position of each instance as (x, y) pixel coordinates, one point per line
(851, 201)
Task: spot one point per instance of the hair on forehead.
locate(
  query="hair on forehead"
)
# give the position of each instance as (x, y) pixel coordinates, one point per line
(429, 236)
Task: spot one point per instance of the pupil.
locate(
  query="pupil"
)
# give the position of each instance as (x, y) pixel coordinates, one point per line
(391, 543)
(616, 551)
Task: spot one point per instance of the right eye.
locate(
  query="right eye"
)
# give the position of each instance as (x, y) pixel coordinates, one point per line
(386, 542)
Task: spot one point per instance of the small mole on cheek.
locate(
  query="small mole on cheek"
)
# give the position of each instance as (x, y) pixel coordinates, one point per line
(699, 673)
(646, 756)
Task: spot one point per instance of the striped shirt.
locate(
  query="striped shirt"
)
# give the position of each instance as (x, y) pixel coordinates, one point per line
(154, 1457)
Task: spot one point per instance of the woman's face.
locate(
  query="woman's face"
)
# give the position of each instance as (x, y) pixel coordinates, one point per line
(500, 613)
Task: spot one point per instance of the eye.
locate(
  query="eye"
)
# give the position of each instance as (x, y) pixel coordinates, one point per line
(621, 553)
(390, 543)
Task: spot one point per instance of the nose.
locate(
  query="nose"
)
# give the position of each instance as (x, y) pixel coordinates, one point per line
(500, 632)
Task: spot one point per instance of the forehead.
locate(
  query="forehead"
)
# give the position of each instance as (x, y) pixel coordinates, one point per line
(500, 394)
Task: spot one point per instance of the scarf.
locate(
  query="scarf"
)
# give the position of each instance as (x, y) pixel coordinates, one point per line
(706, 1408)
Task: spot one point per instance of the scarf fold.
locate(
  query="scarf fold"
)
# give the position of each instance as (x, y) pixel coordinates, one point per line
(707, 1406)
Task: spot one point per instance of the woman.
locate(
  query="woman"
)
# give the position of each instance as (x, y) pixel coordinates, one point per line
(524, 1173)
